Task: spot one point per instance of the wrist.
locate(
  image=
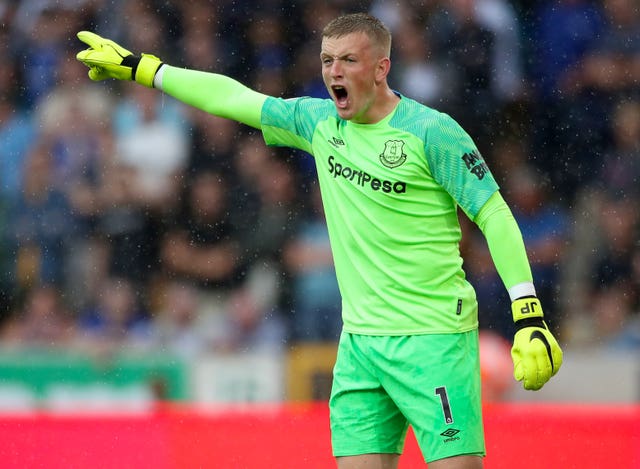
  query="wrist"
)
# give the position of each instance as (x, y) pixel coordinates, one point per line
(520, 290)
(157, 79)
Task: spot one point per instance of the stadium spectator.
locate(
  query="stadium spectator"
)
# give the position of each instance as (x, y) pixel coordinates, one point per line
(611, 67)
(147, 26)
(206, 41)
(316, 301)
(201, 243)
(17, 128)
(417, 71)
(213, 142)
(17, 133)
(176, 329)
(613, 312)
(603, 218)
(42, 223)
(116, 320)
(151, 140)
(42, 321)
(271, 227)
(41, 34)
(608, 73)
(143, 181)
(562, 32)
(255, 321)
(201, 246)
(73, 117)
(478, 40)
(619, 167)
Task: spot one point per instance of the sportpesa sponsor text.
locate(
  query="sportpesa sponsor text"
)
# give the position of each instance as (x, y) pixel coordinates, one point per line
(362, 178)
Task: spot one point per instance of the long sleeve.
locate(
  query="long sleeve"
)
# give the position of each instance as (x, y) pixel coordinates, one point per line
(506, 246)
(213, 93)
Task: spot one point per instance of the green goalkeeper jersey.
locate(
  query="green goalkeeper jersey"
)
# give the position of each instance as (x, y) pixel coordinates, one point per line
(390, 192)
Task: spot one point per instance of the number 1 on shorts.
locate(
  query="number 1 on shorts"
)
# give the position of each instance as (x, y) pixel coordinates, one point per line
(444, 400)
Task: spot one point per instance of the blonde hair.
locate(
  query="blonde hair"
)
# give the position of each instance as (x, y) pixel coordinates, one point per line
(360, 23)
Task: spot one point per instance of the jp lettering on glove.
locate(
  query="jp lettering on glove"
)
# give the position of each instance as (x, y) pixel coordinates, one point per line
(536, 354)
(106, 59)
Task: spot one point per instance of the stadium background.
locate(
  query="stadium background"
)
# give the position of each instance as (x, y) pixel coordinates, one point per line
(162, 272)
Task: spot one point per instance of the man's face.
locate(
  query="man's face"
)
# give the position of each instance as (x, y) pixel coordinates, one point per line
(349, 70)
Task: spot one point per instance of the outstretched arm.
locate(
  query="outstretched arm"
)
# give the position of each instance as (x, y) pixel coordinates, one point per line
(536, 354)
(213, 93)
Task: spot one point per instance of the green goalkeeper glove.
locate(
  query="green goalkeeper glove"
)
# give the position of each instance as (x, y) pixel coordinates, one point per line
(536, 354)
(106, 59)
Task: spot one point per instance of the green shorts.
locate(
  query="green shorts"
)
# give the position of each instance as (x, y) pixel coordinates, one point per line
(381, 384)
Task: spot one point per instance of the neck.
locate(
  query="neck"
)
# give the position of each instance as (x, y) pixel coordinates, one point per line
(384, 104)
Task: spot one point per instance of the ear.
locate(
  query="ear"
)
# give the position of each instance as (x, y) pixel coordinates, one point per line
(382, 69)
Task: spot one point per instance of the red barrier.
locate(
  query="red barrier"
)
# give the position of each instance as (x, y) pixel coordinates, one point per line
(297, 436)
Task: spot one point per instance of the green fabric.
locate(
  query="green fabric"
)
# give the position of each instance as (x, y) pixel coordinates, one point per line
(372, 401)
(391, 192)
(214, 93)
(505, 242)
(391, 217)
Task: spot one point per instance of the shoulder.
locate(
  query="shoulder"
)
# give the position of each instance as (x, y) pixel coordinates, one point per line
(284, 120)
(301, 105)
(423, 121)
(300, 115)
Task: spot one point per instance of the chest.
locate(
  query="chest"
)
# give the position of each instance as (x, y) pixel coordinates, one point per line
(381, 158)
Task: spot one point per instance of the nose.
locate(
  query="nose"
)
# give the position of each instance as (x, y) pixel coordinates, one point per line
(336, 69)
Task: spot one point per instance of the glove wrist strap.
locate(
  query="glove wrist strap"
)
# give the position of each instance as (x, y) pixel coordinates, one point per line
(530, 322)
(143, 68)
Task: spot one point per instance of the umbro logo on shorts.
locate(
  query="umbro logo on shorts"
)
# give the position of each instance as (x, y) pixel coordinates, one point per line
(450, 434)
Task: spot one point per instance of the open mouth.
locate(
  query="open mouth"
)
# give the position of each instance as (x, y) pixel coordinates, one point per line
(341, 95)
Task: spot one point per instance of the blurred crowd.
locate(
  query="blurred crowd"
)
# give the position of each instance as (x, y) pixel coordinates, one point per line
(128, 220)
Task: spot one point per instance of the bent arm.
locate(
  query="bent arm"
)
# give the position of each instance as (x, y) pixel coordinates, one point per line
(506, 246)
(213, 93)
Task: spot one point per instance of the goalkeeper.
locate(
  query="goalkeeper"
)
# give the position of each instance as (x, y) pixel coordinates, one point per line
(392, 173)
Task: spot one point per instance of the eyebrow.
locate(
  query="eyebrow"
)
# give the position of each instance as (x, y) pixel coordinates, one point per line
(342, 56)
